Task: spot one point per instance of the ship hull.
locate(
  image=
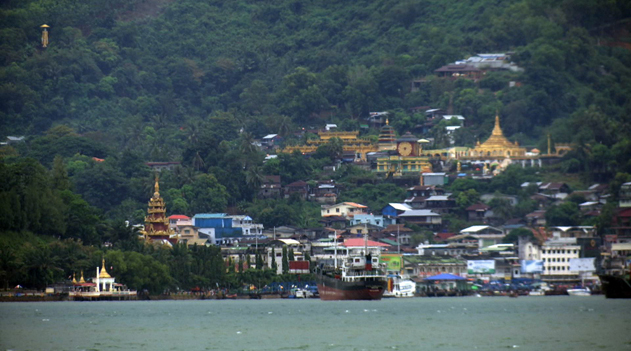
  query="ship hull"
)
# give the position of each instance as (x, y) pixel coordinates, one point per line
(615, 287)
(334, 289)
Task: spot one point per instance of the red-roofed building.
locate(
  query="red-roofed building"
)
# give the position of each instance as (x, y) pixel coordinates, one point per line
(360, 242)
(439, 237)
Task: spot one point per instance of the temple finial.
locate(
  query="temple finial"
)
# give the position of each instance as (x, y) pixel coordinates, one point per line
(104, 273)
(156, 193)
(387, 122)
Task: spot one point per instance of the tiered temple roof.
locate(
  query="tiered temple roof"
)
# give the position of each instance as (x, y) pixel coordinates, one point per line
(156, 221)
(387, 138)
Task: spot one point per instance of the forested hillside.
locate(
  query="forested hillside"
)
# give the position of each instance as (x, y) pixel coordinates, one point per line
(196, 81)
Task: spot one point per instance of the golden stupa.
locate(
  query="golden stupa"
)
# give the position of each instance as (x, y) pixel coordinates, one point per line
(497, 145)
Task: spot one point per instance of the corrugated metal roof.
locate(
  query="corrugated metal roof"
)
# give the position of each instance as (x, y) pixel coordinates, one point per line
(400, 207)
(419, 213)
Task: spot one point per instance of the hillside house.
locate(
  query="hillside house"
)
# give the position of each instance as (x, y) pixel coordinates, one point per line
(270, 188)
(424, 218)
(344, 209)
(478, 212)
(298, 188)
(485, 234)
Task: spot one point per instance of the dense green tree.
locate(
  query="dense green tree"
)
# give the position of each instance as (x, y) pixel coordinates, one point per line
(565, 214)
(515, 234)
(285, 260)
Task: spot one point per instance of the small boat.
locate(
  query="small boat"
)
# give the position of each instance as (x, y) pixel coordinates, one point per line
(400, 287)
(579, 292)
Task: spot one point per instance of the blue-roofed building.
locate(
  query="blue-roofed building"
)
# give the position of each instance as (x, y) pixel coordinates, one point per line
(222, 223)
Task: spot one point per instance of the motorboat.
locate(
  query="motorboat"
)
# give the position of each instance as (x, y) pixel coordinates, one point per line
(579, 292)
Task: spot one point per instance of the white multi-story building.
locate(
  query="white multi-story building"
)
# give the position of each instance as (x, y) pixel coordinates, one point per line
(245, 223)
(556, 255)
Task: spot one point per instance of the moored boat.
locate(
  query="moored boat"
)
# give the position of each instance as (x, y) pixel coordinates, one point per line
(579, 292)
(615, 287)
(400, 287)
(355, 279)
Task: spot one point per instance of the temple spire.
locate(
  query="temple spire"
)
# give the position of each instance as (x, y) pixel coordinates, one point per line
(156, 194)
(104, 273)
(82, 280)
(497, 130)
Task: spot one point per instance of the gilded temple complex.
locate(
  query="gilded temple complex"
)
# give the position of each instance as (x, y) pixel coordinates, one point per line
(351, 142)
(409, 158)
(156, 221)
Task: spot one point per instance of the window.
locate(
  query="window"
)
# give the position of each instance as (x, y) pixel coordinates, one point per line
(337, 210)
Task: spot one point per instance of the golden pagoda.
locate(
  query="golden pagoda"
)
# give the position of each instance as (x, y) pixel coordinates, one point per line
(156, 221)
(497, 145)
(387, 138)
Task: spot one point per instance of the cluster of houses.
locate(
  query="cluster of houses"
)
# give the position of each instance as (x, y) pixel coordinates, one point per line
(550, 249)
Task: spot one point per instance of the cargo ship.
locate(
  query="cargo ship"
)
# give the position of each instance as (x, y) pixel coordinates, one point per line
(354, 277)
(615, 286)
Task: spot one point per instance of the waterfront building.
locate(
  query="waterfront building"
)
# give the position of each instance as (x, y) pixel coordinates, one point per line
(103, 286)
(157, 227)
(556, 254)
(430, 265)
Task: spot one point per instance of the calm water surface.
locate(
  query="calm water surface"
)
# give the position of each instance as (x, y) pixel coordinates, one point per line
(468, 323)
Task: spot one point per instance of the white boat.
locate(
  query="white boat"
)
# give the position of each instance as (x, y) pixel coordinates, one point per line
(536, 293)
(579, 292)
(400, 287)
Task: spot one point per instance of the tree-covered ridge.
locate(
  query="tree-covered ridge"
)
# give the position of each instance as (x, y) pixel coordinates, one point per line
(126, 82)
(195, 59)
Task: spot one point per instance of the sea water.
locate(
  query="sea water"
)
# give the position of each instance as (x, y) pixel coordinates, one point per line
(457, 323)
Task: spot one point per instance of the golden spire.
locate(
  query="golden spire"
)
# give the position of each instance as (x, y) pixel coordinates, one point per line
(387, 122)
(497, 130)
(156, 194)
(104, 273)
(81, 280)
(74, 278)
